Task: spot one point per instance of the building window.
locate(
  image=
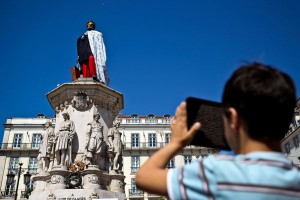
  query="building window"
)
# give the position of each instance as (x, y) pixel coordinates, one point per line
(17, 141)
(287, 148)
(36, 140)
(151, 119)
(32, 166)
(296, 141)
(135, 140)
(135, 163)
(171, 164)
(13, 165)
(152, 139)
(167, 118)
(167, 137)
(134, 119)
(187, 159)
(10, 189)
(134, 189)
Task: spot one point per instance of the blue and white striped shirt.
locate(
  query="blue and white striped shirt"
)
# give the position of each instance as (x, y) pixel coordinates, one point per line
(258, 175)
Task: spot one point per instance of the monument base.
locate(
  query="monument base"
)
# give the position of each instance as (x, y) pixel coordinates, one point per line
(80, 194)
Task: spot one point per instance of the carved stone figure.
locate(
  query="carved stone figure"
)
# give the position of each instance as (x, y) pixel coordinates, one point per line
(64, 137)
(81, 101)
(61, 106)
(94, 141)
(66, 104)
(47, 145)
(115, 145)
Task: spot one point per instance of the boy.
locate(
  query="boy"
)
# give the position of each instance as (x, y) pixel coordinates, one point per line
(258, 103)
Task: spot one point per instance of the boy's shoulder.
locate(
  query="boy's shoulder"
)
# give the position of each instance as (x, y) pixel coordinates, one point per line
(245, 167)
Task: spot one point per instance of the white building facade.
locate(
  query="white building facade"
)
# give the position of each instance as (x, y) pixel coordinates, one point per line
(21, 140)
(290, 144)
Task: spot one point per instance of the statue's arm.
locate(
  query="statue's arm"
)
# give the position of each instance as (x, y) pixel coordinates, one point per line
(72, 131)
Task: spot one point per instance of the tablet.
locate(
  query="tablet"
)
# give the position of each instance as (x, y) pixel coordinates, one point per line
(209, 114)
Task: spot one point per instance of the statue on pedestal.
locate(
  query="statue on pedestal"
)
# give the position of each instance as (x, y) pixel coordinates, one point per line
(94, 141)
(64, 137)
(92, 54)
(46, 151)
(116, 146)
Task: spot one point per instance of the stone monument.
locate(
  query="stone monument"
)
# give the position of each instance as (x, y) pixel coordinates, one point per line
(81, 158)
(85, 144)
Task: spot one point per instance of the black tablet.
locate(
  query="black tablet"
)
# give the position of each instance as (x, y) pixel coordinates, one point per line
(209, 114)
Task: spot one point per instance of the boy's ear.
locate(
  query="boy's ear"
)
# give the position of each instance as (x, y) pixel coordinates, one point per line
(233, 118)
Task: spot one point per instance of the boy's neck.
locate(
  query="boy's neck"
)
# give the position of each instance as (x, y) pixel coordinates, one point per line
(249, 145)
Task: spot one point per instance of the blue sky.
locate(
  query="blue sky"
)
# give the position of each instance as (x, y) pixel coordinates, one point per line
(159, 52)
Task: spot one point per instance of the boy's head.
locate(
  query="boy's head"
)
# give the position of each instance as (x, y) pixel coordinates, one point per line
(264, 99)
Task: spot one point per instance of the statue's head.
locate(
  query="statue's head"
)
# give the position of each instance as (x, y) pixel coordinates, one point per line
(97, 116)
(116, 124)
(90, 25)
(48, 123)
(66, 115)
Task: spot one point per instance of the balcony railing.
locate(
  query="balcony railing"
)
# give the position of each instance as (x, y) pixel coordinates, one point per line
(143, 145)
(22, 146)
(15, 170)
(157, 145)
(11, 193)
(136, 192)
(134, 169)
(292, 129)
(7, 193)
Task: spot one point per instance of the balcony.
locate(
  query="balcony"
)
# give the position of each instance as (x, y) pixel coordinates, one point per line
(292, 129)
(134, 169)
(22, 146)
(157, 145)
(15, 170)
(143, 145)
(10, 194)
(136, 193)
(7, 194)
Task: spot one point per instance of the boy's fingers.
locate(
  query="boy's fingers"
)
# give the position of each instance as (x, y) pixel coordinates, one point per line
(181, 113)
(195, 128)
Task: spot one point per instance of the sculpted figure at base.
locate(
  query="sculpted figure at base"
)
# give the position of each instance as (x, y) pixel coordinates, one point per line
(46, 151)
(115, 145)
(64, 137)
(94, 141)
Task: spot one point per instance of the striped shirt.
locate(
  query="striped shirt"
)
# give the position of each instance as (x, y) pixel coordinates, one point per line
(258, 175)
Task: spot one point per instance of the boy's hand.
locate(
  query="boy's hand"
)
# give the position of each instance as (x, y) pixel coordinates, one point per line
(180, 134)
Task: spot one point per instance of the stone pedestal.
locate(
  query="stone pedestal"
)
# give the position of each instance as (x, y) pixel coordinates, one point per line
(58, 175)
(41, 182)
(84, 194)
(81, 99)
(91, 177)
(117, 183)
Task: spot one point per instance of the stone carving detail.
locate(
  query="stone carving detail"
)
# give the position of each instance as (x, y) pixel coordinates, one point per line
(51, 196)
(64, 137)
(94, 195)
(81, 101)
(46, 151)
(122, 184)
(115, 150)
(93, 179)
(95, 143)
(73, 180)
(34, 185)
(55, 179)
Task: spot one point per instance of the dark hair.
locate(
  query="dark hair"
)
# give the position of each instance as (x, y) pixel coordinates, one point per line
(264, 99)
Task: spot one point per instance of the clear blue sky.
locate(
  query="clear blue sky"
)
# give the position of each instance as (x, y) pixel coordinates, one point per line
(159, 51)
